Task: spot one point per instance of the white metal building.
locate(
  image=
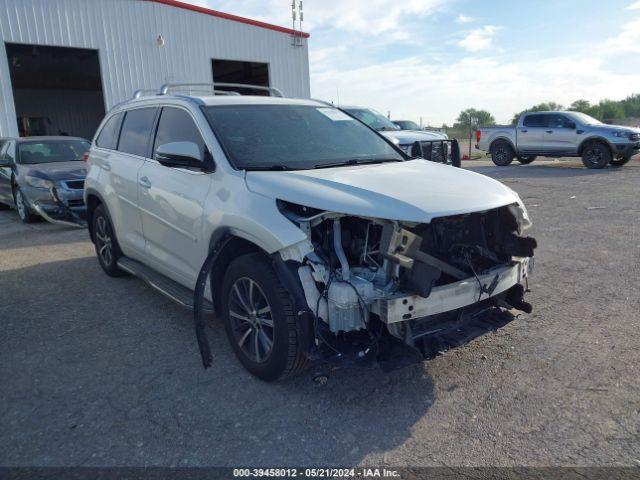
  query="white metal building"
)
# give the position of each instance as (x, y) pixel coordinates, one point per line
(64, 63)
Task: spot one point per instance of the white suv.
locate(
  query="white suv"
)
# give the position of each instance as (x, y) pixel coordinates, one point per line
(318, 237)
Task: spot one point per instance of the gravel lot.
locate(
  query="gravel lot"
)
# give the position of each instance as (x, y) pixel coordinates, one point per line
(97, 371)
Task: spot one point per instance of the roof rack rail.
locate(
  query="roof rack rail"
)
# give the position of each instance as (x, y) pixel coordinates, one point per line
(144, 93)
(273, 91)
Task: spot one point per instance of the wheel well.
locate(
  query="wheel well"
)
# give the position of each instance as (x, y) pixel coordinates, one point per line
(590, 141)
(92, 203)
(501, 139)
(233, 248)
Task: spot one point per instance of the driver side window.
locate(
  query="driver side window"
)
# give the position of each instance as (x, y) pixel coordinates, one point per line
(176, 125)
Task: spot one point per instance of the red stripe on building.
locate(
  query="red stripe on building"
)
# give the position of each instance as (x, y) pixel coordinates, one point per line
(228, 16)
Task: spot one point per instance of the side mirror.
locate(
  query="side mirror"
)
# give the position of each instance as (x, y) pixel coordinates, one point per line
(179, 154)
(570, 125)
(5, 163)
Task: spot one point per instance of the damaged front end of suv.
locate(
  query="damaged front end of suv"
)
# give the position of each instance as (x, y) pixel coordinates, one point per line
(365, 283)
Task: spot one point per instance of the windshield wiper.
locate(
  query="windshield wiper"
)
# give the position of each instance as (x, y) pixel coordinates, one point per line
(356, 161)
(279, 167)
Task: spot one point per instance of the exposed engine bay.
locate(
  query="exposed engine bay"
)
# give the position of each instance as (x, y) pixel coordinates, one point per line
(364, 277)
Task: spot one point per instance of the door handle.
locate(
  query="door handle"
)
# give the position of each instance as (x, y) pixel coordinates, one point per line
(106, 166)
(549, 131)
(524, 130)
(144, 182)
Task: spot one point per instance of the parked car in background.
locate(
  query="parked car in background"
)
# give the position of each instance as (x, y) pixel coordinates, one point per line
(560, 134)
(406, 125)
(44, 176)
(433, 142)
(319, 238)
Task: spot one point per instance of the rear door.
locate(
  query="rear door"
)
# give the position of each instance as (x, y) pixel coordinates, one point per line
(530, 133)
(122, 164)
(172, 201)
(560, 135)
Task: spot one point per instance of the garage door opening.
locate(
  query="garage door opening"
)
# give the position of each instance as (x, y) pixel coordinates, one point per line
(56, 90)
(232, 71)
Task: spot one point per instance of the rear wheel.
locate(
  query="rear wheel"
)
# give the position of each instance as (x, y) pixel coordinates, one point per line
(502, 154)
(618, 162)
(106, 244)
(260, 320)
(596, 155)
(526, 159)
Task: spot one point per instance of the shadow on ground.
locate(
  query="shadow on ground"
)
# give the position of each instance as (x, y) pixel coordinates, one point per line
(103, 371)
(547, 170)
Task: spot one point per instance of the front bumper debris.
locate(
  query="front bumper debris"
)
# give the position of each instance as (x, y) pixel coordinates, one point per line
(454, 296)
(63, 207)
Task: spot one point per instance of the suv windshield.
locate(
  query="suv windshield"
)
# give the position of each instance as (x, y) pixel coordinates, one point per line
(374, 119)
(47, 151)
(276, 137)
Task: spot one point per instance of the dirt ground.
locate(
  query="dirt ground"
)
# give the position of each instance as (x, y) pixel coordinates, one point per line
(97, 371)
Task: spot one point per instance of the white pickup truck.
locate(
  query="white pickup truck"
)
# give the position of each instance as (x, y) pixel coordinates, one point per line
(560, 134)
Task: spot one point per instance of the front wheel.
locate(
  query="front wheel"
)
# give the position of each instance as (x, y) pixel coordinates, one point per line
(618, 162)
(22, 206)
(502, 154)
(260, 320)
(596, 155)
(526, 159)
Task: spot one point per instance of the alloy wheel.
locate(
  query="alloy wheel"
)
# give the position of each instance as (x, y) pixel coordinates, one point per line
(22, 213)
(501, 154)
(251, 319)
(103, 238)
(594, 156)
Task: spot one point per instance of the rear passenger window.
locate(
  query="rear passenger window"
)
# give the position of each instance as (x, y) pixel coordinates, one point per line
(136, 130)
(535, 121)
(176, 125)
(108, 137)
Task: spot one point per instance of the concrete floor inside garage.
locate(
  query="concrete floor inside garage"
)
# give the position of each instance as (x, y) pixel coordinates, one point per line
(97, 371)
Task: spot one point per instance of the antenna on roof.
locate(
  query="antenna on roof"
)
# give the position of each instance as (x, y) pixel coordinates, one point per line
(297, 13)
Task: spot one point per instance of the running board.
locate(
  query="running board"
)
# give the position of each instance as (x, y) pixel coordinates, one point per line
(176, 292)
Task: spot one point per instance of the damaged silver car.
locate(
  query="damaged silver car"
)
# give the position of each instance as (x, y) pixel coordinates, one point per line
(44, 177)
(310, 235)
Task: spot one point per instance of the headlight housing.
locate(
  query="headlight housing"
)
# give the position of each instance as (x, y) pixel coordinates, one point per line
(37, 182)
(519, 211)
(623, 134)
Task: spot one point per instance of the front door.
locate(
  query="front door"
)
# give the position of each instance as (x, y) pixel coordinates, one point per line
(560, 136)
(171, 202)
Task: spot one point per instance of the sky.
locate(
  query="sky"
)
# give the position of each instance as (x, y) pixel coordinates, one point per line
(434, 58)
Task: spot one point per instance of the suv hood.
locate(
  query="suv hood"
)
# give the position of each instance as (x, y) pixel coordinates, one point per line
(406, 137)
(411, 191)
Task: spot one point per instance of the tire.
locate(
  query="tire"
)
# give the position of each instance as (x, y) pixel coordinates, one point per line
(106, 245)
(526, 159)
(260, 326)
(618, 162)
(596, 155)
(22, 207)
(502, 153)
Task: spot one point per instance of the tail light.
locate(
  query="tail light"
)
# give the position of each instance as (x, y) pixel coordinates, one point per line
(478, 135)
(85, 157)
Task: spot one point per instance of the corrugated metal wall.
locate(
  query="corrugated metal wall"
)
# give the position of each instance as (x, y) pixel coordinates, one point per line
(125, 32)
